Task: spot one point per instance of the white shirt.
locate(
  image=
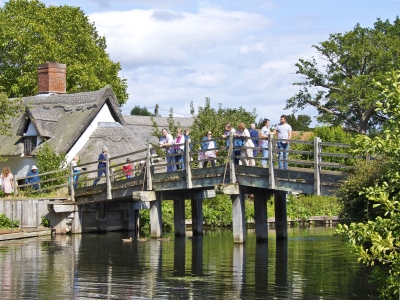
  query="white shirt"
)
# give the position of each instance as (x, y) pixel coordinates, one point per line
(265, 131)
(283, 131)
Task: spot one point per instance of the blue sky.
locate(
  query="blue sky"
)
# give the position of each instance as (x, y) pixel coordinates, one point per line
(238, 53)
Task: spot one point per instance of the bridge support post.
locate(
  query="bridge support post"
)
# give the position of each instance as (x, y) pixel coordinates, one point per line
(156, 217)
(77, 220)
(260, 216)
(280, 214)
(179, 217)
(197, 214)
(133, 218)
(238, 218)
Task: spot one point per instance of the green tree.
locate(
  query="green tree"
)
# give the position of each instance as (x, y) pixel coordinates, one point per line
(208, 118)
(300, 122)
(342, 88)
(139, 111)
(32, 33)
(48, 160)
(376, 239)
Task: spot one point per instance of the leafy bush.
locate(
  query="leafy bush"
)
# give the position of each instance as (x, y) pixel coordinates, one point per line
(48, 160)
(217, 212)
(6, 222)
(302, 207)
(45, 222)
(356, 206)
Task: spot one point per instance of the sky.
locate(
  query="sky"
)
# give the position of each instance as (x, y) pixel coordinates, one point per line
(237, 53)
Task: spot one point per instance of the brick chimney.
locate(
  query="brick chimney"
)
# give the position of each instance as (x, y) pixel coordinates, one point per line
(52, 78)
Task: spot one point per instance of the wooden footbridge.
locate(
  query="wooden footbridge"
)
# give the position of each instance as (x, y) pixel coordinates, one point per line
(115, 203)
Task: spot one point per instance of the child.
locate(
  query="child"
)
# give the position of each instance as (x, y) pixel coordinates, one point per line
(127, 168)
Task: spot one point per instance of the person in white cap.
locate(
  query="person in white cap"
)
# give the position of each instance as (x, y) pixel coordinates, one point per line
(35, 178)
(102, 164)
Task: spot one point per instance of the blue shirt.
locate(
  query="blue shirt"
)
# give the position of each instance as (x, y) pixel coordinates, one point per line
(32, 179)
(254, 133)
(102, 159)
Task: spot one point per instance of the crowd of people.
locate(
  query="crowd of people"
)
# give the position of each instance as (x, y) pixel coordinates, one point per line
(247, 145)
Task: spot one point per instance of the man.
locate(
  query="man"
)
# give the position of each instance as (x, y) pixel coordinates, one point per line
(101, 168)
(284, 132)
(35, 178)
(166, 141)
(254, 134)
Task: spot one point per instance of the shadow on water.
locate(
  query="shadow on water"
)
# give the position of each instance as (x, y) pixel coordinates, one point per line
(311, 264)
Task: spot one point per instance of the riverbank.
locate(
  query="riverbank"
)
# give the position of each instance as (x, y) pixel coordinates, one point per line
(8, 234)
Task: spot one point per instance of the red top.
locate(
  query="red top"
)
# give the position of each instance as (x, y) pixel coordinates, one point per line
(126, 169)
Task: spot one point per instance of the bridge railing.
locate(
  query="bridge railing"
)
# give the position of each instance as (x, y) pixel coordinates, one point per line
(152, 160)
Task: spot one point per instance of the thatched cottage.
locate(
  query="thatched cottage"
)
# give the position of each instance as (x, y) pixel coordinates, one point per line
(77, 124)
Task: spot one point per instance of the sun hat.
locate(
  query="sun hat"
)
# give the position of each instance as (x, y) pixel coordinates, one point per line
(33, 167)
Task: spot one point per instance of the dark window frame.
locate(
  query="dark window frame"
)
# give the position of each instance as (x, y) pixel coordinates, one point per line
(30, 143)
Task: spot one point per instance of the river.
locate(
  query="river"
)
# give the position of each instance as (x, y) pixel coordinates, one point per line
(311, 264)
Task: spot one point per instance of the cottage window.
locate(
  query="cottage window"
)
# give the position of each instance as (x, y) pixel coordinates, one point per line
(29, 144)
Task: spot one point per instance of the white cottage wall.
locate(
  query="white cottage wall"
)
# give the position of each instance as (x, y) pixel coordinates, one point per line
(19, 165)
(104, 115)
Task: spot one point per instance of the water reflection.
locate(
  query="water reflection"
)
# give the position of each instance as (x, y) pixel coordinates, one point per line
(310, 264)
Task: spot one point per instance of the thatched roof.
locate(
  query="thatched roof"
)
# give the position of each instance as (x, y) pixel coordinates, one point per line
(61, 119)
(142, 126)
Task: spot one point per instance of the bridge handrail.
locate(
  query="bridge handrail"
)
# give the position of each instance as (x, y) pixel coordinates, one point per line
(226, 156)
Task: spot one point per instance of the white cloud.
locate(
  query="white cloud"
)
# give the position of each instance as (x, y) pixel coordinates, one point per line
(140, 37)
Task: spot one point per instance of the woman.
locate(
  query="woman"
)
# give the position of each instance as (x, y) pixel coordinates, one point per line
(265, 131)
(127, 168)
(247, 142)
(77, 170)
(6, 178)
(228, 130)
(209, 148)
(179, 147)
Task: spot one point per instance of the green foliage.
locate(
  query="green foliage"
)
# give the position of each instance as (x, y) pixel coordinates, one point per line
(217, 212)
(209, 118)
(302, 207)
(45, 222)
(342, 89)
(377, 239)
(6, 222)
(48, 160)
(32, 33)
(140, 111)
(331, 134)
(299, 123)
(356, 206)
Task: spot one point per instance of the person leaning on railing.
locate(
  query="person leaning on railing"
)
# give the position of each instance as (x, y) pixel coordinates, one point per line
(243, 133)
(284, 132)
(228, 130)
(208, 148)
(166, 140)
(35, 178)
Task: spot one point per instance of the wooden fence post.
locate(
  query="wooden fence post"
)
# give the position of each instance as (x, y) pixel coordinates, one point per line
(188, 168)
(71, 181)
(148, 168)
(231, 151)
(317, 166)
(271, 179)
(108, 179)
